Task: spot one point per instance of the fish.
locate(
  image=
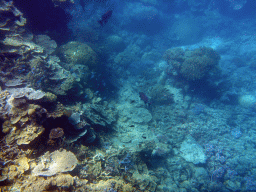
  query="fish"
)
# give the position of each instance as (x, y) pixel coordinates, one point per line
(92, 76)
(105, 17)
(144, 98)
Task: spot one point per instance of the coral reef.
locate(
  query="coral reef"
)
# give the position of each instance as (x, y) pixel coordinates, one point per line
(237, 4)
(60, 2)
(78, 53)
(193, 65)
(23, 43)
(123, 60)
(101, 110)
(198, 5)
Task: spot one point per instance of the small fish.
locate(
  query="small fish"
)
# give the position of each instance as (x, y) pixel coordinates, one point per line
(105, 17)
(144, 98)
(92, 75)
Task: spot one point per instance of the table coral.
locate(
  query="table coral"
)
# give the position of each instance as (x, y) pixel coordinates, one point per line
(55, 162)
(24, 47)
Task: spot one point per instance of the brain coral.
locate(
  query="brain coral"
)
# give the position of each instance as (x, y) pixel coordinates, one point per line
(192, 64)
(78, 53)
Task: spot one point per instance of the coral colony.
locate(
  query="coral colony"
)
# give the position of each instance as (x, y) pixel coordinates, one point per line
(127, 96)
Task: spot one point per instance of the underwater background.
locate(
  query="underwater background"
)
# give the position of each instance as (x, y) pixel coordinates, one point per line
(128, 96)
